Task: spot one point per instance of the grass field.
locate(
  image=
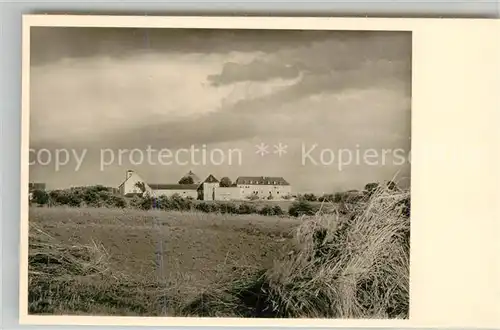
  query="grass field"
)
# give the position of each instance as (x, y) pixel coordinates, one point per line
(198, 248)
(106, 262)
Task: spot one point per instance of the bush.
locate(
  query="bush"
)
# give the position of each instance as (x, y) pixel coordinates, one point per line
(74, 200)
(93, 196)
(147, 203)
(135, 202)
(117, 201)
(271, 210)
(327, 198)
(278, 210)
(40, 197)
(179, 203)
(351, 197)
(226, 182)
(310, 197)
(174, 202)
(59, 197)
(207, 207)
(100, 196)
(300, 208)
(228, 208)
(247, 208)
(162, 203)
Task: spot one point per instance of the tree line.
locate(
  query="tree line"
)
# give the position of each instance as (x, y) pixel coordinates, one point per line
(101, 196)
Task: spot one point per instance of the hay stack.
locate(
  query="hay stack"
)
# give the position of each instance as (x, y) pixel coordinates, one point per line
(351, 267)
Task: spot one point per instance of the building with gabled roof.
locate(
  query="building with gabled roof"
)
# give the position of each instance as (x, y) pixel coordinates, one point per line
(263, 187)
(261, 180)
(134, 184)
(207, 189)
(211, 179)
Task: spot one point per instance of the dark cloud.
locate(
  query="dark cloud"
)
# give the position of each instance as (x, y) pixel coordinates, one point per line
(381, 74)
(327, 56)
(50, 44)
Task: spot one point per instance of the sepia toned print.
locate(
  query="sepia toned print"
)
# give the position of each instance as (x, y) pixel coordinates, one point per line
(219, 173)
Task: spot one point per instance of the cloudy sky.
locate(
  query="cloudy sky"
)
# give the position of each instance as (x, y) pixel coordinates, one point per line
(96, 89)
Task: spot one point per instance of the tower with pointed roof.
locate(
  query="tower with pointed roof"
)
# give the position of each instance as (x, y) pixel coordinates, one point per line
(190, 178)
(207, 188)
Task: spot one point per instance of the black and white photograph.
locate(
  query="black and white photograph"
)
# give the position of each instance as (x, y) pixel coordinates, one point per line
(221, 173)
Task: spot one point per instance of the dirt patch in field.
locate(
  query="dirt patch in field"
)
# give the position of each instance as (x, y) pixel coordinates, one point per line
(198, 249)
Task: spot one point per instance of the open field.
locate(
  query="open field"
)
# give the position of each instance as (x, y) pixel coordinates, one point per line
(198, 248)
(105, 262)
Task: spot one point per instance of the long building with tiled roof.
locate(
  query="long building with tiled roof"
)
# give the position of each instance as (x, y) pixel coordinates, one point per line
(261, 180)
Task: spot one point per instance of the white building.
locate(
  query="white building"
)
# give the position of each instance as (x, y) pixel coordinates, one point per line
(135, 185)
(270, 188)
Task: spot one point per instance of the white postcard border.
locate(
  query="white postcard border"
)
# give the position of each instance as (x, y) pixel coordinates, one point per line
(454, 86)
